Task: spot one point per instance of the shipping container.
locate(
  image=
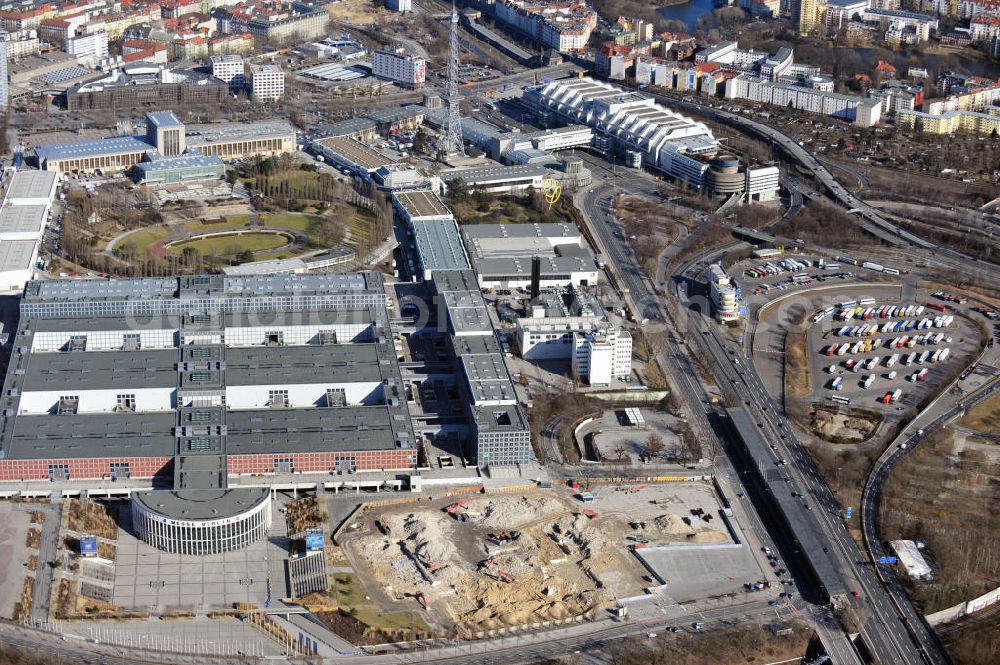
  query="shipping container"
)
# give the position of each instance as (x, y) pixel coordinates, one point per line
(890, 271)
(877, 267)
(936, 356)
(891, 360)
(922, 374)
(891, 375)
(897, 395)
(945, 352)
(908, 359)
(866, 301)
(830, 350)
(924, 356)
(842, 351)
(886, 398)
(850, 364)
(936, 306)
(868, 381)
(837, 383)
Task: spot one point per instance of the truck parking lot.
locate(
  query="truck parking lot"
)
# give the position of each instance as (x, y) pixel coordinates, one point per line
(884, 355)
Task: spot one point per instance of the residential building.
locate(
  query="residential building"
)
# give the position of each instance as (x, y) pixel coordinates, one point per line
(4, 89)
(21, 43)
(807, 14)
(899, 27)
(805, 99)
(983, 28)
(562, 26)
(967, 99)
(841, 12)
(88, 48)
(274, 20)
(949, 122)
(399, 66)
(267, 83)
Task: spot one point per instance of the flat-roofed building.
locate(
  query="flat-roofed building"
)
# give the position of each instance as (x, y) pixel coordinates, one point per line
(266, 82)
(351, 154)
(229, 69)
(502, 255)
(32, 188)
(498, 179)
(17, 263)
(22, 222)
(173, 170)
(168, 136)
(398, 66)
(197, 379)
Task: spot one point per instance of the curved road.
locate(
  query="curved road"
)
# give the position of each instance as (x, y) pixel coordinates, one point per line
(869, 218)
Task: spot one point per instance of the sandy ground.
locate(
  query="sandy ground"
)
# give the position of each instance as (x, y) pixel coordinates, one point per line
(558, 562)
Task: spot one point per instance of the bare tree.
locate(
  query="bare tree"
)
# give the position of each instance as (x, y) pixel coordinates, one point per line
(652, 446)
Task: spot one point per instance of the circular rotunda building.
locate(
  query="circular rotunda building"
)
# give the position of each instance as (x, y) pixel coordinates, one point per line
(201, 522)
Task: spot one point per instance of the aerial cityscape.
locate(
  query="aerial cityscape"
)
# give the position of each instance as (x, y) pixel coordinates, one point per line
(521, 331)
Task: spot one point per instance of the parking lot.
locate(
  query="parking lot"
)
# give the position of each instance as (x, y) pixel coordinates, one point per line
(885, 356)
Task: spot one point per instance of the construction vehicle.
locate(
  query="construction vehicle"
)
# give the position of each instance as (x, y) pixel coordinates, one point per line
(421, 598)
(450, 509)
(491, 569)
(638, 539)
(592, 514)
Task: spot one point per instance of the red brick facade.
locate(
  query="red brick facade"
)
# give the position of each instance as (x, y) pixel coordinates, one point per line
(147, 467)
(368, 460)
(90, 467)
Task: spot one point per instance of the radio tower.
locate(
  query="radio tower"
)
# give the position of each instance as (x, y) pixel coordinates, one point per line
(453, 138)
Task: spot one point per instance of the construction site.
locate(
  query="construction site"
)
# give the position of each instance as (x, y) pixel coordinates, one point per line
(487, 562)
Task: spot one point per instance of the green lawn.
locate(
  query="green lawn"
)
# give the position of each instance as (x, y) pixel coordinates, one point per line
(390, 621)
(141, 240)
(346, 591)
(218, 224)
(289, 220)
(232, 244)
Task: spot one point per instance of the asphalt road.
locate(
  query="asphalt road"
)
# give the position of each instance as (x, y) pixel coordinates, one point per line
(883, 632)
(869, 218)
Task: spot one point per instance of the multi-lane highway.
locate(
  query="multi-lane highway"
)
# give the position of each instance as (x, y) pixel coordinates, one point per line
(883, 632)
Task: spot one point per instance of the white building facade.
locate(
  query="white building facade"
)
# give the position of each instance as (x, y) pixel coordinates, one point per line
(723, 294)
(599, 356)
(267, 83)
(400, 67)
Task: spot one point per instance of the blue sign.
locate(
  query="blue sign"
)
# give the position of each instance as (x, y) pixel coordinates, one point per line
(88, 546)
(850, 512)
(888, 559)
(314, 539)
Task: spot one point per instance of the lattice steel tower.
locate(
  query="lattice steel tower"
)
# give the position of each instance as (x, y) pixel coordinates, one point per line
(453, 137)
